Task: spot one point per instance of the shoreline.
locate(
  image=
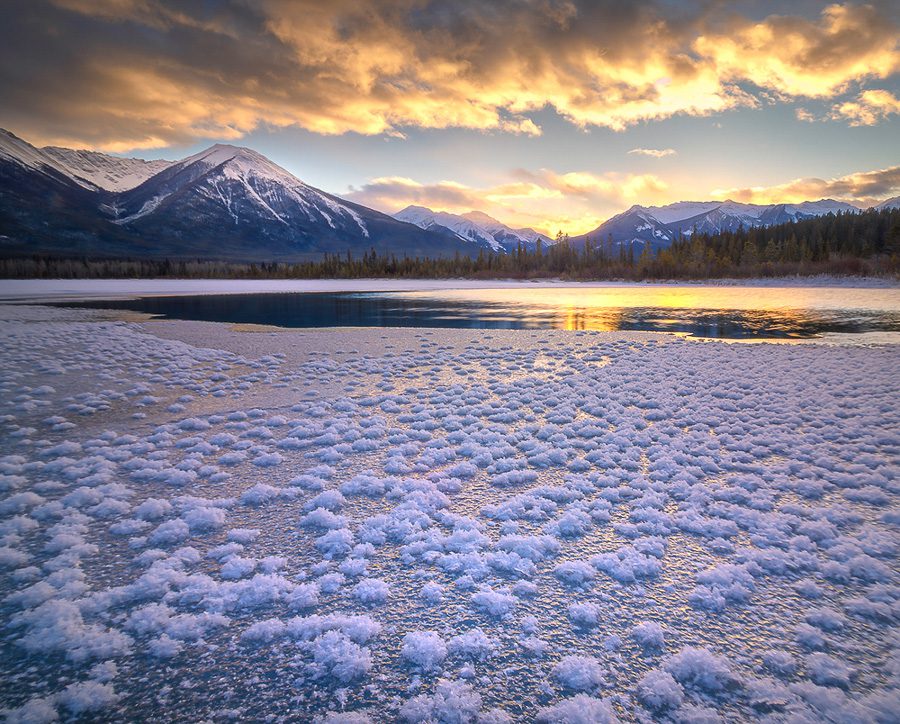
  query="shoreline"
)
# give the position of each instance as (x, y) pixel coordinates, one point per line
(35, 290)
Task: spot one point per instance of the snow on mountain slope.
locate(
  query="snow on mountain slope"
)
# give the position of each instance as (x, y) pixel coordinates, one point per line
(474, 227)
(243, 182)
(89, 169)
(13, 148)
(681, 210)
(713, 216)
(111, 173)
(893, 203)
(660, 225)
(822, 207)
(464, 228)
(506, 235)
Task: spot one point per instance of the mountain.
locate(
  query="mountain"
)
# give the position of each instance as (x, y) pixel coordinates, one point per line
(233, 203)
(637, 226)
(235, 197)
(659, 226)
(223, 203)
(44, 209)
(509, 237)
(893, 203)
(474, 227)
(101, 171)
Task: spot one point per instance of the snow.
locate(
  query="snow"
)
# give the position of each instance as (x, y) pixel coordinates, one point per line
(112, 173)
(424, 649)
(274, 192)
(658, 691)
(578, 672)
(580, 709)
(699, 668)
(467, 227)
(758, 478)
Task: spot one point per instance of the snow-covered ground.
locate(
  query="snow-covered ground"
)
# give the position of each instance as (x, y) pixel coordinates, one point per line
(45, 289)
(443, 525)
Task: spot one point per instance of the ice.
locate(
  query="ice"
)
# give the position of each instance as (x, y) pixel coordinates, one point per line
(87, 696)
(580, 709)
(658, 691)
(579, 672)
(574, 573)
(584, 614)
(690, 531)
(474, 644)
(424, 649)
(828, 671)
(452, 701)
(701, 669)
(497, 604)
(336, 655)
(649, 634)
(57, 626)
(371, 591)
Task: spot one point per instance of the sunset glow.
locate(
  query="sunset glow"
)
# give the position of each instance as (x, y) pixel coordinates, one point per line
(553, 115)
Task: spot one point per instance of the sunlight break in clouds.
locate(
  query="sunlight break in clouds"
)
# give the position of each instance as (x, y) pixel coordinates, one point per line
(544, 200)
(863, 188)
(381, 67)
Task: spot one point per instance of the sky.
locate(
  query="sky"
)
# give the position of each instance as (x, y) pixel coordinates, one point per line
(553, 114)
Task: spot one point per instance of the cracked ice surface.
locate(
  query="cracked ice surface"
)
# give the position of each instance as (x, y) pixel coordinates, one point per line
(447, 526)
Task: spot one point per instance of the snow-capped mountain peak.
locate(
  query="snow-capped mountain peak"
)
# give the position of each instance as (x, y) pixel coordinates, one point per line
(475, 227)
(13, 148)
(103, 171)
(464, 228)
(244, 182)
(89, 169)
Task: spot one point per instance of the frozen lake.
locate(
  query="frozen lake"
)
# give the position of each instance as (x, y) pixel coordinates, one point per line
(732, 312)
(207, 523)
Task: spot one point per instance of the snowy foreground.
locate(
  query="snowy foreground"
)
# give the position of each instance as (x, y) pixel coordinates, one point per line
(443, 526)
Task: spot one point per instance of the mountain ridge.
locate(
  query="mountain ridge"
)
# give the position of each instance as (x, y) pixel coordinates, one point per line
(659, 226)
(231, 202)
(226, 202)
(475, 227)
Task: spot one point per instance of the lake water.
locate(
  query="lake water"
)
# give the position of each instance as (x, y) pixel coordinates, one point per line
(711, 312)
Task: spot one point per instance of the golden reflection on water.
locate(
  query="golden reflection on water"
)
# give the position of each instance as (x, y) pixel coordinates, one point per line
(677, 297)
(613, 308)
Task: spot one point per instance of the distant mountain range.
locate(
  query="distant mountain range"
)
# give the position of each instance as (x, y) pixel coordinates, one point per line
(233, 203)
(476, 227)
(659, 226)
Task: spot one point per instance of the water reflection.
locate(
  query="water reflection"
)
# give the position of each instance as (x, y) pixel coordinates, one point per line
(727, 312)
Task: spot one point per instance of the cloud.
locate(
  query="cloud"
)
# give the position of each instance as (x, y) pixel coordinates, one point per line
(863, 188)
(869, 108)
(795, 56)
(545, 199)
(116, 74)
(654, 152)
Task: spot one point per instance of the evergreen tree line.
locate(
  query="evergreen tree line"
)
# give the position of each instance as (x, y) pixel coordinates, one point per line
(846, 243)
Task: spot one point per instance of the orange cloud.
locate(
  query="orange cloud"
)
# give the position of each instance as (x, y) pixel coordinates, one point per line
(798, 57)
(115, 74)
(869, 108)
(863, 188)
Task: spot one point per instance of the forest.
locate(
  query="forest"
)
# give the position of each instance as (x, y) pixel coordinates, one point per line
(865, 243)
